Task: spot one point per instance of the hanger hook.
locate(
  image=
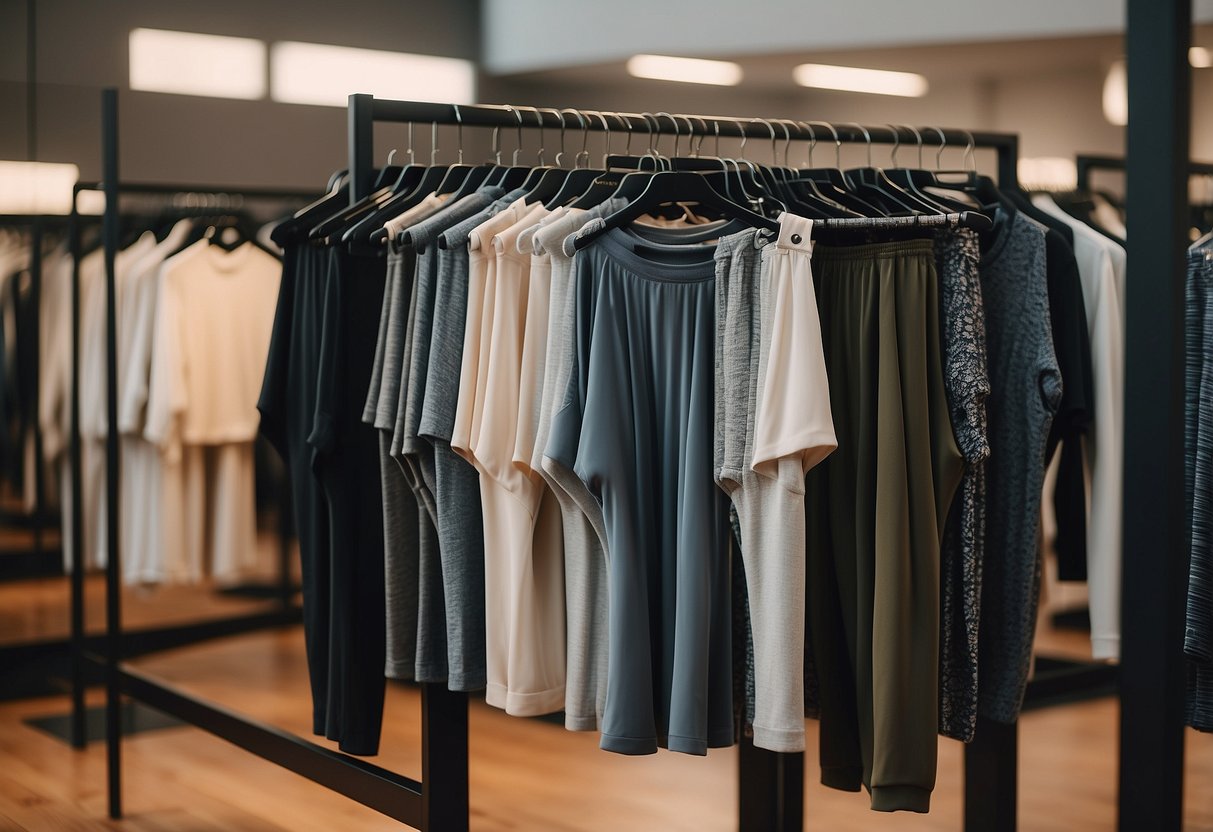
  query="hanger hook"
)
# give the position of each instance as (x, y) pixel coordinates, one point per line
(674, 122)
(561, 113)
(812, 139)
(787, 138)
(774, 148)
(716, 129)
(970, 155)
(943, 142)
(517, 147)
(741, 129)
(697, 146)
(539, 125)
(918, 138)
(606, 139)
(585, 139)
(433, 143)
(459, 131)
(896, 142)
(412, 157)
(497, 144)
(867, 137)
(390, 156)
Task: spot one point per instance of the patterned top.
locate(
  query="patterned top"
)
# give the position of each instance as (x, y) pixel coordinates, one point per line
(967, 384)
(1198, 483)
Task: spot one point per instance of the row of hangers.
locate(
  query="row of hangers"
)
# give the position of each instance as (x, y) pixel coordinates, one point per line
(737, 189)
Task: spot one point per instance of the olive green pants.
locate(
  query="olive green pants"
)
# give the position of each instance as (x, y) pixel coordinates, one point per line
(875, 513)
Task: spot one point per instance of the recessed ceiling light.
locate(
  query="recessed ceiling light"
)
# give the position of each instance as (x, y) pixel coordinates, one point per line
(189, 63)
(319, 73)
(687, 70)
(37, 187)
(858, 79)
(1200, 57)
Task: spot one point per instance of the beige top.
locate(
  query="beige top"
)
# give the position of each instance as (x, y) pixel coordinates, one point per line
(214, 314)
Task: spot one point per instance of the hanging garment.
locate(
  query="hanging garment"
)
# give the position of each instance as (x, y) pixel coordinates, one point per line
(1198, 483)
(346, 461)
(636, 427)
(585, 566)
(875, 515)
(457, 484)
(1026, 389)
(287, 405)
(524, 578)
(967, 383)
(1101, 265)
(408, 527)
(772, 424)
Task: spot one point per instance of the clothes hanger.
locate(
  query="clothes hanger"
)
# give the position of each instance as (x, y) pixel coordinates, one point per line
(458, 175)
(618, 179)
(513, 176)
(536, 173)
(580, 179)
(330, 229)
(913, 180)
(672, 186)
(981, 189)
(804, 196)
(302, 220)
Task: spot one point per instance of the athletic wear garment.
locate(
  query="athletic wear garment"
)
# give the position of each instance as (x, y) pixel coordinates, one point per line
(347, 464)
(585, 570)
(875, 514)
(408, 530)
(457, 493)
(967, 383)
(524, 578)
(401, 518)
(772, 424)
(1198, 484)
(1026, 389)
(287, 405)
(636, 427)
(1101, 264)
(419, 644)
(1072, 343)
(214, 317)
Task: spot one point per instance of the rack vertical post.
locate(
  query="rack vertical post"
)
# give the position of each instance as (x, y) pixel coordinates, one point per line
(76, 518)
(1153, 604)
(113, 580)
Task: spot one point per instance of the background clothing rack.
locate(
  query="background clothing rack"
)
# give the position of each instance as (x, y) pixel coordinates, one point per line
(1084, 164)
(84, 649)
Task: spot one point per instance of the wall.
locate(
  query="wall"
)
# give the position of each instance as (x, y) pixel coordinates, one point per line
(82, 46)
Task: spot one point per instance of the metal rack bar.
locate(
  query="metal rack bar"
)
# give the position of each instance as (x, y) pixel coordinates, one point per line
(1156, 548)
(1085, 164)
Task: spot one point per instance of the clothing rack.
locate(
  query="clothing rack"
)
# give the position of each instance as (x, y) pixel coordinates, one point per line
(85, 649)
(438, 801)
(1084, 164)
(38, 560)
(771, 785)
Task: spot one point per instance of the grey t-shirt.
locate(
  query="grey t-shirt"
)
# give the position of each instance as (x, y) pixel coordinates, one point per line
(1025, 391)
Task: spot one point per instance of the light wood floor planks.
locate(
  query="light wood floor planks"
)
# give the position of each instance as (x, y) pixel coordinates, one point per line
(525, 774)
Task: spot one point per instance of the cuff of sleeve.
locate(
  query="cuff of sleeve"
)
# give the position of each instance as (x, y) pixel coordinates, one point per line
(901, 799)
(782, 740)
(843, 778)
(1105, 647)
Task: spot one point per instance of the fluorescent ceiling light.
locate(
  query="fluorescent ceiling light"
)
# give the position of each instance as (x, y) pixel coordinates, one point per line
(193, 64)
(857, 79)
(36, 187)
(687, 70)
(317, 73)
(1200, 57)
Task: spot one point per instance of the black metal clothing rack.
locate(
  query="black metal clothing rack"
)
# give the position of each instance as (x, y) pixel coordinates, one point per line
(84, 649)
(1085, 164)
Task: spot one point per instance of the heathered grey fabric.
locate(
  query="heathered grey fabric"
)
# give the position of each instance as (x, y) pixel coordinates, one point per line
(1025, 392)
(584, 556)
(967, 384)
(457, 486)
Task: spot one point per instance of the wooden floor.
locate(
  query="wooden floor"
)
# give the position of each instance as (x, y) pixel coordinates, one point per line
(525, 774)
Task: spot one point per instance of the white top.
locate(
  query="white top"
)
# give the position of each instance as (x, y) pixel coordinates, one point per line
(214, 315)
(1101, 269)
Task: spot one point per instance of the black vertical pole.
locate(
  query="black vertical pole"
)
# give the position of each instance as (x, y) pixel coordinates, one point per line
(361, 144)
(991, 778)
(113, 575)
(1152, 670)
(35, 273)
(770, 789)
(75, 519)
(444, 759)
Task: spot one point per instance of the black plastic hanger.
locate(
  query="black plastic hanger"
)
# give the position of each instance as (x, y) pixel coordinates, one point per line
(305, 218)
(677, 186)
